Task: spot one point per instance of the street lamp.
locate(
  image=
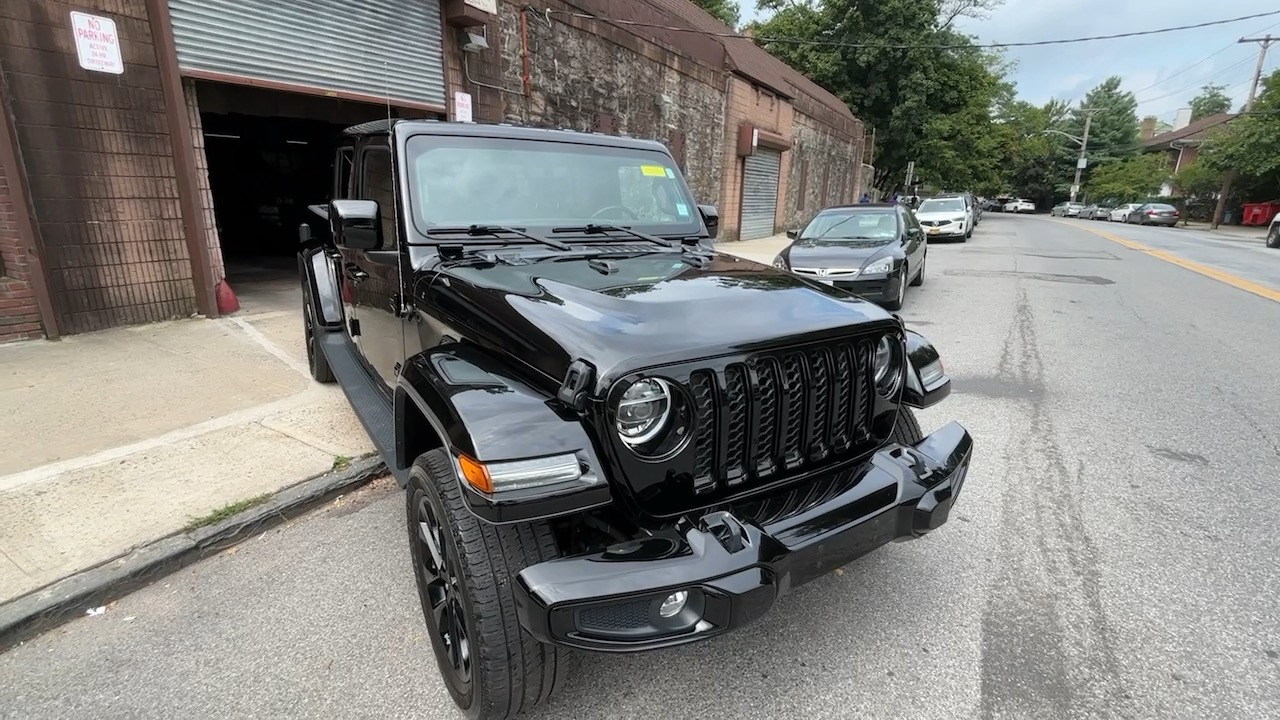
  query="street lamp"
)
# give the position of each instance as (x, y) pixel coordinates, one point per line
(1083, 142)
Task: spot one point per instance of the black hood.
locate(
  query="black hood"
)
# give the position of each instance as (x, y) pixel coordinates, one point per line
(687, 313)
(812, 252)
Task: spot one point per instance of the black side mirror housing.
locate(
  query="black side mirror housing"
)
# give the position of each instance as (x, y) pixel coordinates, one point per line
(793, 234)
(927, 381)
(355, 225)
(710, 218)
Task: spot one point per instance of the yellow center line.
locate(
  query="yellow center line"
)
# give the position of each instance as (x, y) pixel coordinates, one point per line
(1221, 276)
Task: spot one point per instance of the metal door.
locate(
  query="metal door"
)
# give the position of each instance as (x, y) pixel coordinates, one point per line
(759, 193)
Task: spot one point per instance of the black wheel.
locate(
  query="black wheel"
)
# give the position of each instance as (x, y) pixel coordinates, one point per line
(968, 234)
(1273, 237)
(907, 430)
(896, 303)
(919, 280)
(316, 360)
(465, 570)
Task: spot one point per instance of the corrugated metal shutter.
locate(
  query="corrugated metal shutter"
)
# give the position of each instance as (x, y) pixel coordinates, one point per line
(759, 193)
(381, 48)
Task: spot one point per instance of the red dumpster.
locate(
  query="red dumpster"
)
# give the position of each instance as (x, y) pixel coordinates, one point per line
(1259, 213)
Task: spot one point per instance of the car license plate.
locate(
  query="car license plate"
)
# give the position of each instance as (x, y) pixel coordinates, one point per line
(827, 282)
(933, 231)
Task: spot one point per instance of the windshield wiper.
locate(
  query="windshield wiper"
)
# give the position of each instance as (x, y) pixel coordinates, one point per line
(497, 231)
(593, 229)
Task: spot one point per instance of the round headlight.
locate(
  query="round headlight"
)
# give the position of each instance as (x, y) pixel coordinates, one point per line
(887, 364)
(643, 411)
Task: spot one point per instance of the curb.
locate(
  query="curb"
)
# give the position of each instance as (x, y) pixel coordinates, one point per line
(41, 610)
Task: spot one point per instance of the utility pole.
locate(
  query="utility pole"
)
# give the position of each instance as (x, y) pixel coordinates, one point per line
(1230, 178)
(1084, 144)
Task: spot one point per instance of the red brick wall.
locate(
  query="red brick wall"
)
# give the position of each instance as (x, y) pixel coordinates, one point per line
(100, 167)
(19, 318)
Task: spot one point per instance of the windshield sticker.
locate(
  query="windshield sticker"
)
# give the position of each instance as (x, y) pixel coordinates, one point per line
(671, 174)
(653, 170)
(682, 209)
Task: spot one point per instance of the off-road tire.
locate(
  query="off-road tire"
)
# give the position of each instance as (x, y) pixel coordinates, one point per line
(907, 430)
(511, 672)
(919, 280)
(317, 363)
(1273, 237)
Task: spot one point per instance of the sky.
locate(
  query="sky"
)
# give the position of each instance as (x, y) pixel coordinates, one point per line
(1164, 71)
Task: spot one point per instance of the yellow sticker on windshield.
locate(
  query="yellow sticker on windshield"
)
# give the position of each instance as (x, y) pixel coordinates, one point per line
(653, 170)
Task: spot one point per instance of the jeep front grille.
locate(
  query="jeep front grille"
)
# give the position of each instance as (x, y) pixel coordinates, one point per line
(777, 412)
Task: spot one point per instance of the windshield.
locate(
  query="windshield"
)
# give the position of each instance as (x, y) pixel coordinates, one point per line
(461, 181)
(952, 205)
(870, 224)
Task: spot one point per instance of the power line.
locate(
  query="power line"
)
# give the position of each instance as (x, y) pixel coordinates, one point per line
(1197, 63)
(548, 12)
(1201, 82)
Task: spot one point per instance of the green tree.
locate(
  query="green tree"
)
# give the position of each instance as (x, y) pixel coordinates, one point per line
(1131, 179)
(1249, 144)
(726, 11)
(1211, 101)
(930, 105)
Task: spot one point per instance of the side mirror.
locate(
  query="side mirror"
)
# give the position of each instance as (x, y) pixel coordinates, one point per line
(355, 225)
(710, 218)
(927, 381)
(914, 231)
(793, 234)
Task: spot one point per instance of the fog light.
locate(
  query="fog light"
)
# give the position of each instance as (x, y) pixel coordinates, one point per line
(673, 604)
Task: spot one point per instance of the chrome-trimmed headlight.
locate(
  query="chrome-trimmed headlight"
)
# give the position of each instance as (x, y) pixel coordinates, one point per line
(878, 267)
(887, 364)
(653, 418)
(780, 263)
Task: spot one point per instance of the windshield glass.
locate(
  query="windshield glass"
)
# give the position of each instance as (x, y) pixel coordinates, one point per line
(869, 224)
(955, 205)
(461, 181)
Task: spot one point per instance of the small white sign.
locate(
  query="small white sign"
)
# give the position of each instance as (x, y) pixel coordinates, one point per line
(489, 6)
(97, 43)
(1082, 163)
(462, 107)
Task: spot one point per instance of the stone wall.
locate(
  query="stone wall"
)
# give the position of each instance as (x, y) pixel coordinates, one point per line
(19, 316)
(825, 170)
(100, 167)
(599, 78)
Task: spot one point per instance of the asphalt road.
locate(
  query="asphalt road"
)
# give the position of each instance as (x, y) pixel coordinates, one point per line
(1115, 552)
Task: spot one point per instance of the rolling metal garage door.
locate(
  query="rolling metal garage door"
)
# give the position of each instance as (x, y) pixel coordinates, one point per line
(379, 48)
(759, 193)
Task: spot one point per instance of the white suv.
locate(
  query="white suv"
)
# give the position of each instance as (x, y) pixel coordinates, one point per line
(1020, 206)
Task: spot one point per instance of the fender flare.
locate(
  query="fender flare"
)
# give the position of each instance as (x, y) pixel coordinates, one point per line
(478, 407)
(320, 284)
(927, 382)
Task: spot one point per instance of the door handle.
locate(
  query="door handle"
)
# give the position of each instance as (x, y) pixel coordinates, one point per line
(354, 272)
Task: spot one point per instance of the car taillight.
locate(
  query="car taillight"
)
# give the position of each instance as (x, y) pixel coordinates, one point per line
(1151, 212)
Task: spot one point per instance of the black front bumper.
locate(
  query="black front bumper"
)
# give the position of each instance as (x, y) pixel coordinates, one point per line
(875, 289)
(731, 571)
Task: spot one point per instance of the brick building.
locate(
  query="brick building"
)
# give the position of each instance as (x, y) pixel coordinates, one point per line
(153, 152)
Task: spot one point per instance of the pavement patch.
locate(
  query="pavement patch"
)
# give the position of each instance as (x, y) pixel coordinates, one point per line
(50, 606)
(1210, 272)
(1021, 275)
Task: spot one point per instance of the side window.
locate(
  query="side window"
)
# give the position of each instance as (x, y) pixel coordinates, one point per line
(912, 222)
(377, 184)
(343, 162)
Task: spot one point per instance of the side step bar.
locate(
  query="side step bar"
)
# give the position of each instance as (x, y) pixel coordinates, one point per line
(371, 404)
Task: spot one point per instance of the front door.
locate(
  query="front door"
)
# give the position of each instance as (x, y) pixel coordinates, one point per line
(374, 275)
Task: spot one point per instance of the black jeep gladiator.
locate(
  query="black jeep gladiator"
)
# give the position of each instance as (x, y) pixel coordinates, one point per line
(611, 436)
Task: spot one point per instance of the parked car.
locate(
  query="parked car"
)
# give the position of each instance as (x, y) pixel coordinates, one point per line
(971, 202)
(1273, 233)
(872, 250)
(1020, 206)
(611, 437)
(1095, 212)
(1067, 209)
(1121, 212)
(1154, 214)
(945, 218)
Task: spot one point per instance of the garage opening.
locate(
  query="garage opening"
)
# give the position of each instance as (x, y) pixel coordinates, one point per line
(759, 193)
(269, 156)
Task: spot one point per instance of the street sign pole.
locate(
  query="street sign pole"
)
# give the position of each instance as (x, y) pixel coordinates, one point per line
(1084, 144)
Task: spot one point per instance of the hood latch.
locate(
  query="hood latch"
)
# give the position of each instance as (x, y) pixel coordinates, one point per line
(577, 382)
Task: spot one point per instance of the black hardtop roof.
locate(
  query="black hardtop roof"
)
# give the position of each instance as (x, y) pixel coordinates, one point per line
(429, 126)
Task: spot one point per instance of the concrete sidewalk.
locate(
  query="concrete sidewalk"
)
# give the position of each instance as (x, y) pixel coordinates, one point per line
(763, 250)
(1230, 232)
(122, 437)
